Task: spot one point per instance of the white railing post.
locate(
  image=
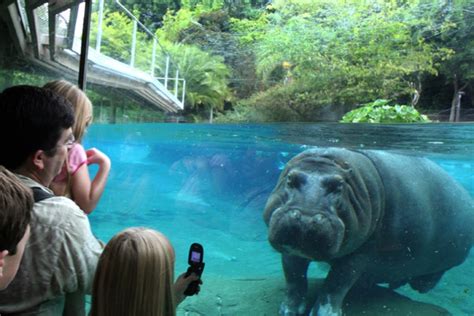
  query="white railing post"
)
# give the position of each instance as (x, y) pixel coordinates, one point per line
(176, 83)
(153, 58)
(184, 92)
(166, 70)
(99, 26)
(134, 43)
(166, 78)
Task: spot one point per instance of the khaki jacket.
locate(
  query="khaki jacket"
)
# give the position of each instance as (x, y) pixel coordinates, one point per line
(59, 261)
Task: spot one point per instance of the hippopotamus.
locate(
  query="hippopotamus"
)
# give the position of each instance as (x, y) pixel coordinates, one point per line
(373, 216)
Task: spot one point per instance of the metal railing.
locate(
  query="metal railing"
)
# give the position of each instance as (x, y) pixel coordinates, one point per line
(164, 76)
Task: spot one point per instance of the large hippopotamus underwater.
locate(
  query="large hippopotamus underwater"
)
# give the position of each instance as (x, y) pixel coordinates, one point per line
(373, 216)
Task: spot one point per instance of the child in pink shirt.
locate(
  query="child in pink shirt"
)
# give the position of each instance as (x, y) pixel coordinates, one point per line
(74, 180)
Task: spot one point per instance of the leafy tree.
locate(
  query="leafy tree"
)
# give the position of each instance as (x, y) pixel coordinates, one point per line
(206, 78)
(302, 56)
(206, 75)
(451, 25)
(359, 50)
(149, 12)
(175, 22)
(16, 72)
(211, 32)
(290, 103)
(117, 31)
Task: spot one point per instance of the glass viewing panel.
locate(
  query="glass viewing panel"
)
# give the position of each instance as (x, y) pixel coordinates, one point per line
(209, 183)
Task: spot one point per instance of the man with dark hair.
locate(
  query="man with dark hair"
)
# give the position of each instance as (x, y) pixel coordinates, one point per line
(60, 260)
(16, 203)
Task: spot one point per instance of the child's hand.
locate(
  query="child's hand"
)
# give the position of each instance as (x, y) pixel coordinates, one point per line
(182, 283)
(95, 156)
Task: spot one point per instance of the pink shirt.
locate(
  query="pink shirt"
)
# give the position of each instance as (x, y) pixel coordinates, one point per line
(76, 158)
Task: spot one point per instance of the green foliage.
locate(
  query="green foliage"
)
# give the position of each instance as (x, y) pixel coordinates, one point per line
(117, 30)
(203, 4)
(452, 26)
(175, 22)
(361, 49)
(149, 12)
(380, 111)
(305, 55)
(249, 31)
(293, 103)
(211, 32)
(242, 113)
(116, 35)
(11, 77)
(206, 76)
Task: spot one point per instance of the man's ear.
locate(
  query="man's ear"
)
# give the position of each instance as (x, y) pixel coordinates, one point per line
(38, 159)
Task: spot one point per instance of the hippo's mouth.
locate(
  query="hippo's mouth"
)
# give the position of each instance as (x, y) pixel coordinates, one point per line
(317, 237)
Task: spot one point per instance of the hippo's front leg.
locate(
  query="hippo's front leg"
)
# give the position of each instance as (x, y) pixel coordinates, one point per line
(340, 279)
(295, 269)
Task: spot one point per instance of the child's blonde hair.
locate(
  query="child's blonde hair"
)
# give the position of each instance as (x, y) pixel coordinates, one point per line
(135, 276)
(81, 104)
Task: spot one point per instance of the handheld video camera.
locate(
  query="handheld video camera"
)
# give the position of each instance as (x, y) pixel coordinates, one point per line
(196, 265)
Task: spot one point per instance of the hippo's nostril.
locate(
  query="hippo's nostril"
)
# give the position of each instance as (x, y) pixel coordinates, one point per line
(318, 218)
(295, 214)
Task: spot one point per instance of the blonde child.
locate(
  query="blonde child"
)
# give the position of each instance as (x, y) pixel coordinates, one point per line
(135, 276)
(74, 180)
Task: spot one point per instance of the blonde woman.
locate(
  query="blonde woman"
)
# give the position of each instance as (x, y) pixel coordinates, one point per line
(135, 275)
(74, 180)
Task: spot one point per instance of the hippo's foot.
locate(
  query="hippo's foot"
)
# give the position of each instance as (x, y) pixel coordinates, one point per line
(292, 309)
(425, 283)
(325, 309)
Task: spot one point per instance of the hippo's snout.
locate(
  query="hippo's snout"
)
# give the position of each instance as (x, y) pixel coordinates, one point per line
(318, 219)
(310, 235)
(295, 214)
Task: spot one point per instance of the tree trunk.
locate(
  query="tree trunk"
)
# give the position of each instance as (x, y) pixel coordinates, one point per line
(211, 115)
(417, 87)
(114, 114)
(455, 112)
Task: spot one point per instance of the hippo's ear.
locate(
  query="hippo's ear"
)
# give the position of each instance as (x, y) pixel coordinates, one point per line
(333, 183)
(295, 179)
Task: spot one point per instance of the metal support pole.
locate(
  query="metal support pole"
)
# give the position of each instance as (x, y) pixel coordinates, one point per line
(167, 70)
(99, 26)
(153, 58)
(85, 45)
(176, 84)
(134, 43)
(183, 92)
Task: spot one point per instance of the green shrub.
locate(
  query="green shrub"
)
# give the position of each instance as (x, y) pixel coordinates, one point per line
(380, 111)
(281, 103)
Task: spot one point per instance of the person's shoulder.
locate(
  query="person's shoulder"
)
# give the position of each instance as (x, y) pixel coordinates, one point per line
(77, 150)
(77, 147)
(59, 210)
(76, 158)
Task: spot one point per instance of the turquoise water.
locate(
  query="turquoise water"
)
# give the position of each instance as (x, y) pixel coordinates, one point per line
(209, 184)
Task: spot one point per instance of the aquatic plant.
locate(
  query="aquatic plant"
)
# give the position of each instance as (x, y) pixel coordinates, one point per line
(380, 111)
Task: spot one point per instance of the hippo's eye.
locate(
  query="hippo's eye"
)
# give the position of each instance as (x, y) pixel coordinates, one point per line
(295, 179)
(333, 183)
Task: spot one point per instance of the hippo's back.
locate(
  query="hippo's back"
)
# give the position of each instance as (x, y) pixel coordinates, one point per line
(426, 210)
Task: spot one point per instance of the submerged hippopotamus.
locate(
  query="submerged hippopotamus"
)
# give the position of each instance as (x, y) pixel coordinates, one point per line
(375, 217)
